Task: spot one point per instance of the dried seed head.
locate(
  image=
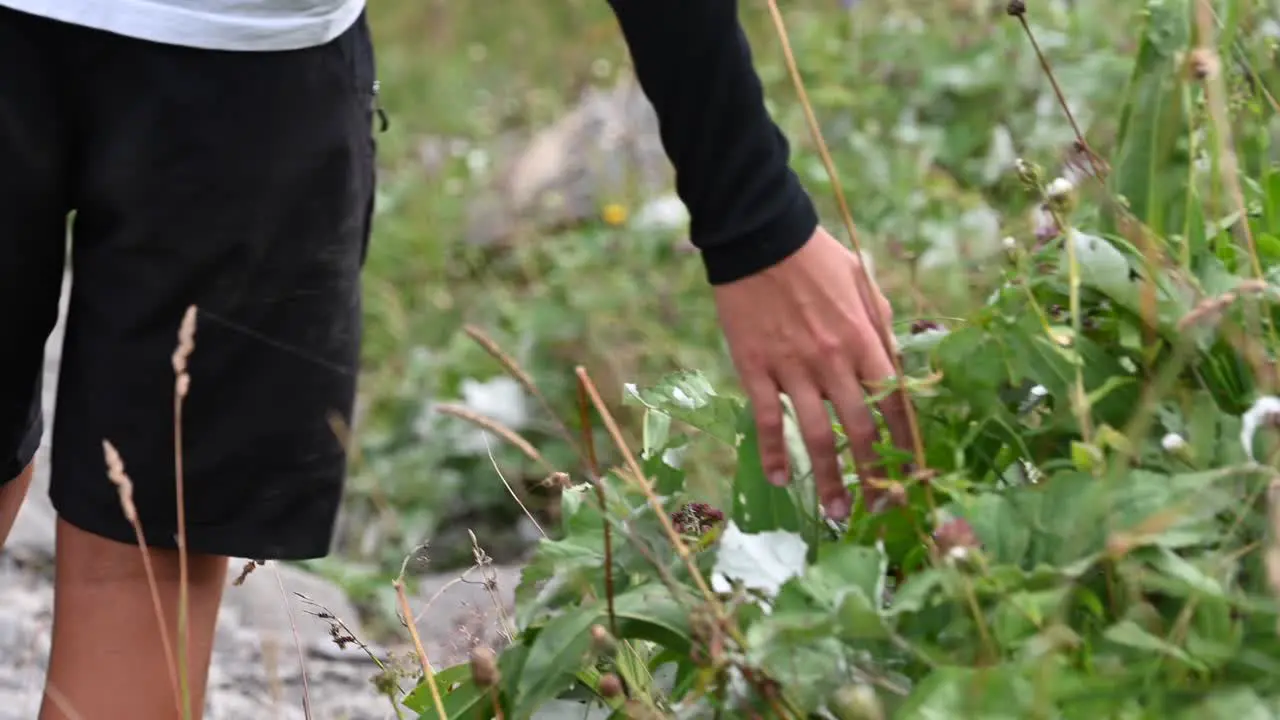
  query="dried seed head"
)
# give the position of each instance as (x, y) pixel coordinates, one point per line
(923, 325)
(610, 686)
(1203, 63)
(484, 667)
(1016, 8)
(186, 341)
(557, 480)
(119, 478)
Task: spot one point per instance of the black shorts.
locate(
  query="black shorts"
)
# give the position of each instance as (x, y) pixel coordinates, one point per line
(238, 182)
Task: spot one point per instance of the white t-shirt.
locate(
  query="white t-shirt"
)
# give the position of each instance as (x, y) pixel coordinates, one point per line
(208, 24)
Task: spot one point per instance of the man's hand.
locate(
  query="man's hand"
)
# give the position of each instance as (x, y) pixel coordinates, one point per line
(807, 327)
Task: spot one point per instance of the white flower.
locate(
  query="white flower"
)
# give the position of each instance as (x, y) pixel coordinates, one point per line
(958, 553)
(1060, 187)
(1039, 391)
(1173, 442)
(1264, 408)
(1009, 243)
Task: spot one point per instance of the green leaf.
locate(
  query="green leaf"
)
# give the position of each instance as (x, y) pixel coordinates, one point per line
(1129, 634)
(649, 612)
(1150, 166)
(558, 651)
(759, 505)
(1236, 703)
(1004, 533)
(799, 649)
(995, 693)
(689, 397)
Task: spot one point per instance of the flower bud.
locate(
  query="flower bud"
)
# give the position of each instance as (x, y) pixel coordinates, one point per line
(484, 667)
(856, 702)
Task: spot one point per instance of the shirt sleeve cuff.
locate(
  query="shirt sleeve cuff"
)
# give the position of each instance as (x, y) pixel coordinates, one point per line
(765, 246)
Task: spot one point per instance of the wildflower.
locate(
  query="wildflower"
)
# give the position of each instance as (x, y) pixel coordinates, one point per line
(1172, 442)
(1009, 243)
(923, 326)
(1028, 173)
(1060, 187)
(1046, 225)
(955, 537)
(1061, 195)
(614, 214)
(696, 519)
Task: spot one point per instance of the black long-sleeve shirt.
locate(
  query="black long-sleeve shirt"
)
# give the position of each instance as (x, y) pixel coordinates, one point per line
(747, 208)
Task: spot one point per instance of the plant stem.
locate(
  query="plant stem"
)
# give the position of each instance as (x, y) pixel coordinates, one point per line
(885, 332)
(421, 651)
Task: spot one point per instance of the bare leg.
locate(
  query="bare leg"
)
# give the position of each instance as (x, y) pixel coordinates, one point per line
(108, 660)
(11, 496)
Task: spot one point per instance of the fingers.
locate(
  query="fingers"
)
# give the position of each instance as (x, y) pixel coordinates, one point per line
(875, 365)
(763, 392)
(820, 441)
(877, 372)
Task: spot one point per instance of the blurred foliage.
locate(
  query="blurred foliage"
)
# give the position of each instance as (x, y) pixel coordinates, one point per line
(926, 106)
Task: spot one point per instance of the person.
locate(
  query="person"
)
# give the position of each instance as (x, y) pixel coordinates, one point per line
(221, 154)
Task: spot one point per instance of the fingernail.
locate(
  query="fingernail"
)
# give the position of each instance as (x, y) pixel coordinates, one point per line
(778, 478)
(838, 509)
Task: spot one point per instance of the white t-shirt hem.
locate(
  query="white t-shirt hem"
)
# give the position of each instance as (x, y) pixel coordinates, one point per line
(206, 30)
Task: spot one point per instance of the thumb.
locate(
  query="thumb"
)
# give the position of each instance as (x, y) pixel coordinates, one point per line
(767, 407)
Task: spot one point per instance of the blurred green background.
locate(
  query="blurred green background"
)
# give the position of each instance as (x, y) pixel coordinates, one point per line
(925, 106)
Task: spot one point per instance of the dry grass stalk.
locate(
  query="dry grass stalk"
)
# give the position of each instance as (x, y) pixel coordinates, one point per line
(61, 702)
(866, 281)
(124, 486)
(406, 613)
(485, 563)
(514, 495)
(518, 373)
(181, 386)
(297, 643)
(497, 428)
(1273, 545)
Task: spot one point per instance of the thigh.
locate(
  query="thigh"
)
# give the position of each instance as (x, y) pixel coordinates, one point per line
(34, 151)
(242, 184)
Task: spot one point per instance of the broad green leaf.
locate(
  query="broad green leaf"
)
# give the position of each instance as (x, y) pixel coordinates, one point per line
(557, 652)
(947, 693)
(800, 650)
(1129, 634)
(758, 505)
(690, 398)
(649, 612)
(1150, 168)
(1005, 534)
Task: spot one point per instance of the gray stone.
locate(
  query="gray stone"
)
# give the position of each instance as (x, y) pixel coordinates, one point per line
(606, 149)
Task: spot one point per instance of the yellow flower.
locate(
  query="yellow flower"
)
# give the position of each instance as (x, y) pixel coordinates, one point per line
(614, 214)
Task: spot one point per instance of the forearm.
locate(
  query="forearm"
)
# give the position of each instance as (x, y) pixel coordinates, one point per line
(693, 62)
